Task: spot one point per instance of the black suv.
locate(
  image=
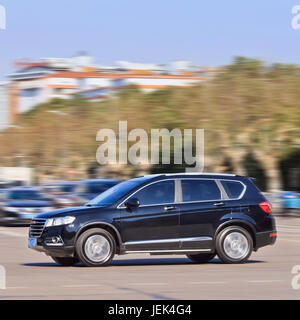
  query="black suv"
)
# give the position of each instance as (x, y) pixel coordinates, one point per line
(199, 215)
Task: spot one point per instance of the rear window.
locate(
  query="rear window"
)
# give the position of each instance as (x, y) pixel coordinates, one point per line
(234, 189)
(199, 190)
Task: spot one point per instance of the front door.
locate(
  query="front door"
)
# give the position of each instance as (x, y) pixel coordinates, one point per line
(154, 225)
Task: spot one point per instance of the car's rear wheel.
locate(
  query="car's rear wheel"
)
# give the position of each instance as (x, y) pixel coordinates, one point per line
(234, 244)
(65, 261)
(95, 247)
(201, 257)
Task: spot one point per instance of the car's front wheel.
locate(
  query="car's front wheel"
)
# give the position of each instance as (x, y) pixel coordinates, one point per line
(65, 261)
(95, 247)
(201, 257)
(234, 244)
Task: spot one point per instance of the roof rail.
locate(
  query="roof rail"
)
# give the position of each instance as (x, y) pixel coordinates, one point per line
(201, 173)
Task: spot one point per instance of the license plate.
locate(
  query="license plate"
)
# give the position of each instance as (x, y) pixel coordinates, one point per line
(32, 242)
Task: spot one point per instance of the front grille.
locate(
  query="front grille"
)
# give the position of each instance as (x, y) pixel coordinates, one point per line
(36, 228)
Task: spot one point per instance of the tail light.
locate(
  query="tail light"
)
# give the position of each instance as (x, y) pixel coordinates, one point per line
(266, 206)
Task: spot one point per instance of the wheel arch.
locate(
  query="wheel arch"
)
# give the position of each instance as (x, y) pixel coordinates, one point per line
(106, 226)
(239, 223)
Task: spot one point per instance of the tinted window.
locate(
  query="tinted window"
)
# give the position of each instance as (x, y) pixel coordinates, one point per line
(200, 190)
(157, 193)
(233, 188)
(25, 195)
(67, 187)
(115, 193)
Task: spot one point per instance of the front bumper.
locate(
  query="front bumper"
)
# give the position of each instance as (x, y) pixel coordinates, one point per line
(55, 251)
(64, 246)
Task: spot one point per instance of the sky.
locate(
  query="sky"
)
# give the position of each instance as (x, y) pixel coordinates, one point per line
(156, 31)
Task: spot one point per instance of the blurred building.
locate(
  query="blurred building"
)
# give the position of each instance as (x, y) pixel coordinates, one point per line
(4, 107)
(38, 82)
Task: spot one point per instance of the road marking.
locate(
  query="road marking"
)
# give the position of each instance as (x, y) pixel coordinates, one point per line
(290, 240)
(12, 234)
(17, 288)
(287, 226)
(289, 231)
(208, 282)
(148, 284)
(264, 281)
(80, 285)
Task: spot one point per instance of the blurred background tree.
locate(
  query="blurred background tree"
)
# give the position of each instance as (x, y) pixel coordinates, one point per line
(250, 113)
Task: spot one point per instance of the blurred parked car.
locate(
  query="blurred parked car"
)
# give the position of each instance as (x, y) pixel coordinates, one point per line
(62, 193)
(5, 184)
(18, 206)
(89, 189)
(291, 200)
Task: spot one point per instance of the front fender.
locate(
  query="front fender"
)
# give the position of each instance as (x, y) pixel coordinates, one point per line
(99, 224)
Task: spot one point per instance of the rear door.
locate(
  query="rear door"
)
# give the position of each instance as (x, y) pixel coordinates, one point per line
(202, 206)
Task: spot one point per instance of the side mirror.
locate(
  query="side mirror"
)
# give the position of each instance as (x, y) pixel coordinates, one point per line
(132, 203)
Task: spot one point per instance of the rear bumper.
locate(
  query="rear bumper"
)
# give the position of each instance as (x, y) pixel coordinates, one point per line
(265, 238)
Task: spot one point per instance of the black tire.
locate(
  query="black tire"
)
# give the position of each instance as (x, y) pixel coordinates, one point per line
(201, 257)
(65, 261)
(83, 255)
(239, 232)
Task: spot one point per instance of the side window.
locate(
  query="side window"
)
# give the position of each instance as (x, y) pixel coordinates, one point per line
(233, 189)
(157, 193)
(200, 190)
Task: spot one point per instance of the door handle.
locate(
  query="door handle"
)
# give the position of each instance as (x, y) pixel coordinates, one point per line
(168, 208)
(219, 204)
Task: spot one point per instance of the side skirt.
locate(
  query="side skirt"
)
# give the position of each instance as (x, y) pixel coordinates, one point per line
(161, 252)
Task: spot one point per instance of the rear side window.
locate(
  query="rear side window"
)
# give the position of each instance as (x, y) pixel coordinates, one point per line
(233, 189)
(200, 190)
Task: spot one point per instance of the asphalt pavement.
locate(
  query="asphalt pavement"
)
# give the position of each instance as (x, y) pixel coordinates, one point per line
(267, 275)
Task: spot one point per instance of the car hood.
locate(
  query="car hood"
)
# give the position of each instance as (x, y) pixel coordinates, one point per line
(27, 204)
(68, 211)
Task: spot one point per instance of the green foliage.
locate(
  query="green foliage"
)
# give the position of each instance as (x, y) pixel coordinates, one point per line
(254, 169)
(248, 105)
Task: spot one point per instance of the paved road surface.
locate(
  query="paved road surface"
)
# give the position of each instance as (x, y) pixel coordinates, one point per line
(267, 275)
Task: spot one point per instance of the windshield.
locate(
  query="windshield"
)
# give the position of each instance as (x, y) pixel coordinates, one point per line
(25, 195)
(99, 187)
(115, 193)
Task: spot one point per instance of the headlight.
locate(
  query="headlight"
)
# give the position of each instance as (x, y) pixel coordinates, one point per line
(59, 221)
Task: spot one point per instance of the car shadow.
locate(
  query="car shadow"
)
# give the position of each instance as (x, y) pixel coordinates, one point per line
(140, 262)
